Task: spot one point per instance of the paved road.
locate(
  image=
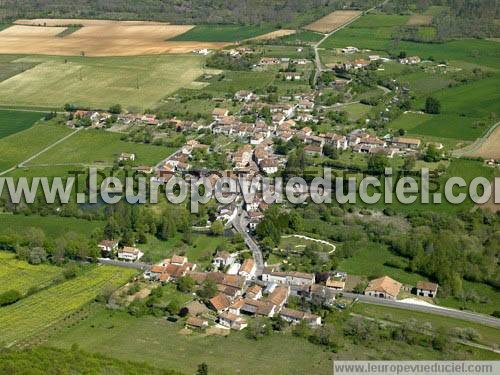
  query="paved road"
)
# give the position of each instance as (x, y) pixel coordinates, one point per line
(241, 225)
(118, 263)
(451, 313)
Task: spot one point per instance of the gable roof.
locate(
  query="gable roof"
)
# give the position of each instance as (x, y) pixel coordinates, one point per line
(220, 302)
(384, 284)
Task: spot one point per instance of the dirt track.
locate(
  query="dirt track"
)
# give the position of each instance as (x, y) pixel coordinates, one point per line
(97, 38)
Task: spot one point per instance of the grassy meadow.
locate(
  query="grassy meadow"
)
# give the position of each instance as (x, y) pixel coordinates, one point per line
(94, 147)
(99, 82)
(12, 122)
(32, 314)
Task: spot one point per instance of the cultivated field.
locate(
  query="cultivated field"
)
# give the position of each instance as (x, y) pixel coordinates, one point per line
(138, 81)
(487, 149)
(419, 20)
(333, 21)
(274, 34)
(62, 22)
(40, 310)
(21, 276)
(96, 38)
(17, 147)
(222, 33)
(15, 121)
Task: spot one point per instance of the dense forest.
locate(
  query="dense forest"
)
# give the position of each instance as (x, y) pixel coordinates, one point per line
(275, 12)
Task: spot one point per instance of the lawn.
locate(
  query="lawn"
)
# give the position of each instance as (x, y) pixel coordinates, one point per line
(15, 121)
(356, 111)
(97, 146)
(223, 33)
(292, 52)
(234, 81)
(489, 336)
(21, 276)
(40, 310)
(53, 226)
(18, 147)
(99, 82)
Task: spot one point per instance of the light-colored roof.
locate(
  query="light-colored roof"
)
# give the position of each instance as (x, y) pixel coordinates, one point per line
(384, 284)
(129, 250)
(335, 283)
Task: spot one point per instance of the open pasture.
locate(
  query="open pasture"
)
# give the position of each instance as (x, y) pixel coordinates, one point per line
(100, 147)
(333, 21)
(15, 121)
(104, 38)
(21, 276)
(139, 81)
(38, 311)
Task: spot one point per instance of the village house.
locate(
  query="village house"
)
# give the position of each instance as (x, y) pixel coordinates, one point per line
(258, 307)
(220, 302)
(313, 150)
(194, 322)
(254, 292)
(108, 247)
(293, 76)
(359, 63)
(131, 254)
(296, 316)
(269, 166)
(427, 289)
(411, 60)
(218, 113)
(349, 49)
(248, 269)
(335, 283)
(224, 259)
(232, 321)
(244, 96)
(290, 278)
(279, 296)
(269, 61)
(126, 157)
(383, 287)
(337, 141)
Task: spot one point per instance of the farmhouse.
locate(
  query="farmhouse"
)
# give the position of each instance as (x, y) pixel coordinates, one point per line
(427, 289)
(295, 316)
(130, 254)
(406, 143)
(383, 287)
(258, 307)
(220, 302)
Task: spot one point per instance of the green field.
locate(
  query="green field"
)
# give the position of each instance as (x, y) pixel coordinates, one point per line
(99, 82)
(52, 226)
(18, 147)
(10, 66)
(370, 31)
(301, 37)
(15, 121)
(95, 146)
(223, 33)
(21, 276)
(36, 312)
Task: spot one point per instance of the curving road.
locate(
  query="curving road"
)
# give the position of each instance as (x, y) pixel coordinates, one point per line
(241, 226)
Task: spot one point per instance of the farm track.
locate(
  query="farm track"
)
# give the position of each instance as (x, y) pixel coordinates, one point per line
(477, 144)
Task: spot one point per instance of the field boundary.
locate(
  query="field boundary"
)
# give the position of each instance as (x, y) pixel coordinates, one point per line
(476, 144)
